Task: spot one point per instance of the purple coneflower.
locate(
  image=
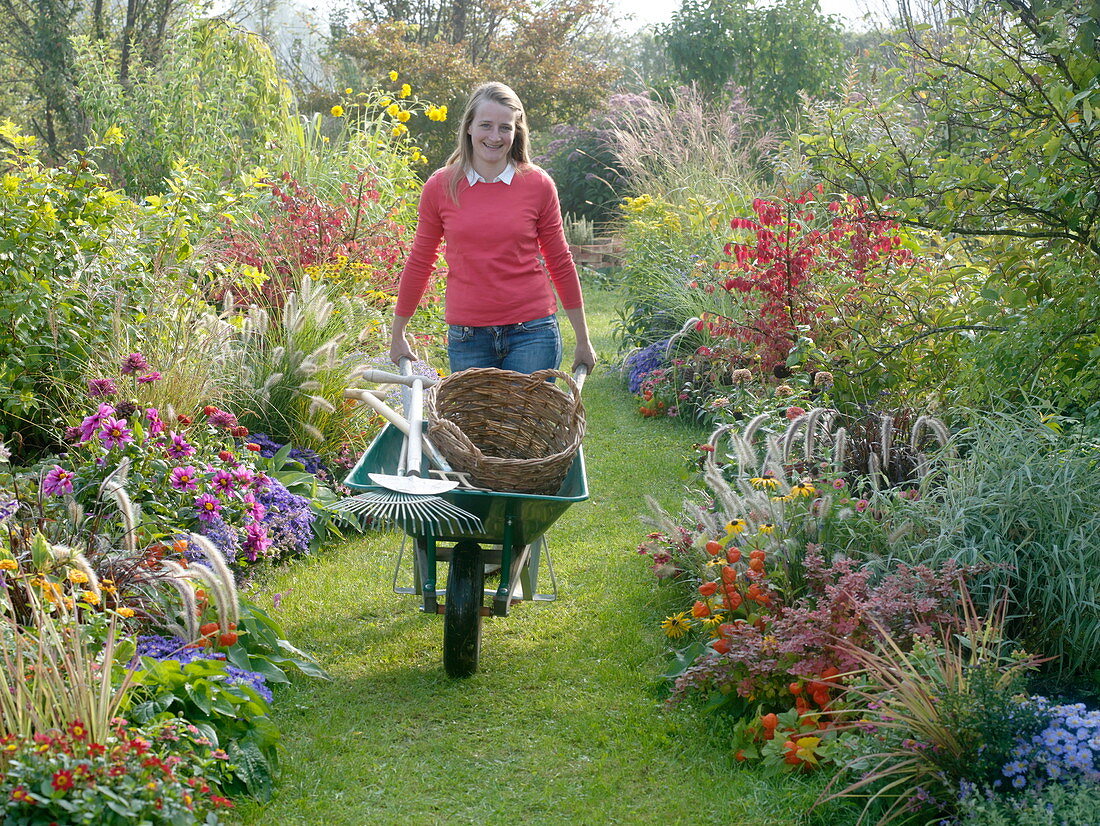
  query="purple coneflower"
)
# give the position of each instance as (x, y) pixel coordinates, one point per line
(134, 363)
(57, 481)
(184, 478)
(114, 432)
(152, 377)
(222, 418)
(255, 510)
(256, 541)
(102, 387)
(208, 507)
(178, 447)
(243, 477)
(90, 426)
(222, 482)
(156, 425)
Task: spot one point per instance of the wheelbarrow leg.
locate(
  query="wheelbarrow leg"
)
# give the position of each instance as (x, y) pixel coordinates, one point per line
(462, 610)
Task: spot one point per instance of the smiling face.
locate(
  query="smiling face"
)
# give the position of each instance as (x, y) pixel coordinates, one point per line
(491, 134)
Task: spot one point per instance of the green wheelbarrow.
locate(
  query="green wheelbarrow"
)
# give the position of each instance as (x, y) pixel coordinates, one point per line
(512, 537)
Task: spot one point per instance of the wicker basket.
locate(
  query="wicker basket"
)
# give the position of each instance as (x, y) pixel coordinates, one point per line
(510, 431)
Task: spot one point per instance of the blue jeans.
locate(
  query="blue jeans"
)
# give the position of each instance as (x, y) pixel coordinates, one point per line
(524, 347)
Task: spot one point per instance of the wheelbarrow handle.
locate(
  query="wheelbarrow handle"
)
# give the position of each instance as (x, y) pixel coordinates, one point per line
(579, 375)
(382, 377)
(398, 421)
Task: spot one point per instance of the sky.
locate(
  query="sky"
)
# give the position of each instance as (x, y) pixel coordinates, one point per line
(649, 12)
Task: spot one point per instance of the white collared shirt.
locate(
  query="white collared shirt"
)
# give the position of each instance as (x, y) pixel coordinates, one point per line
(505, 177)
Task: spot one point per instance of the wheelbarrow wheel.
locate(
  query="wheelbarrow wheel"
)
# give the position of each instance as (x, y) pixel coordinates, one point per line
(462, 612)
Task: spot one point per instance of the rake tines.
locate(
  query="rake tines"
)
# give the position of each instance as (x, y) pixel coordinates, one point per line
(412, 513)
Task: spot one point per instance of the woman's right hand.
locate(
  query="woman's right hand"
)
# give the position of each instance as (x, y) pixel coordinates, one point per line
(400, 349)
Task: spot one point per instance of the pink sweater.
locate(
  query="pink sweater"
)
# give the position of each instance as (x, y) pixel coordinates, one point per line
(494, 236)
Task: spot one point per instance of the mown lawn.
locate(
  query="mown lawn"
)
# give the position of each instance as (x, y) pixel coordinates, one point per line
(563, 723)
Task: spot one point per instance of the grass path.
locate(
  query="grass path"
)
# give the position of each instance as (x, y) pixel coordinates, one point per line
(562, 724)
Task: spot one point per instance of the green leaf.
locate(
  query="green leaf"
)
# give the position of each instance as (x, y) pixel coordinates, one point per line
(42, 555)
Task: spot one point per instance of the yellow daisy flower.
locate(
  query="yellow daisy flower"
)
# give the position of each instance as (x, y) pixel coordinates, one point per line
(760, 482)
(676, 625)
(393, 75)
(736, 526)
(337, 111)
(767, 528)
(803, 489)
(406, 90)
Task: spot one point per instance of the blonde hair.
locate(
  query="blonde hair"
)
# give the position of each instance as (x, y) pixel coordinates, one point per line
(463, 156)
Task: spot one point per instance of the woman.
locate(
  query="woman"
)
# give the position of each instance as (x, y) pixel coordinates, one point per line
(497, 212)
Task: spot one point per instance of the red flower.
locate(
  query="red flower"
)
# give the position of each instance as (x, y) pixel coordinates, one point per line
(62, 781)
(255, 448)
(707, 589)
(20, 795)
(700, 609)
(77, 730)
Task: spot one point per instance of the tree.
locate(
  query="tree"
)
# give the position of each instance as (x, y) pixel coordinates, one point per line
(990, 131)
(546, 54)
(37, 35)
(772, 52)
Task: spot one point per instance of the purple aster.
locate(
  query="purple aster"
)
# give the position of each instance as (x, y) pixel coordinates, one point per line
(134, 363)
(114, 432)
(184, 478)
(152, 377)
(102, 387)
(256, 542)
(224, 536)
(223, 482)
(156, 426)
(178, 447)
(57, 481)
(288, 519)
(90, 425)
(8, 509)
(208, 507)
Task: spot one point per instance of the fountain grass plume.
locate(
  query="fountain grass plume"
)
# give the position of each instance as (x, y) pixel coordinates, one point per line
(226, 587)
(178, 578)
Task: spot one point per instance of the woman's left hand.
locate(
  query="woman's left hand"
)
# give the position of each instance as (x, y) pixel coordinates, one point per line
(584, 354)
